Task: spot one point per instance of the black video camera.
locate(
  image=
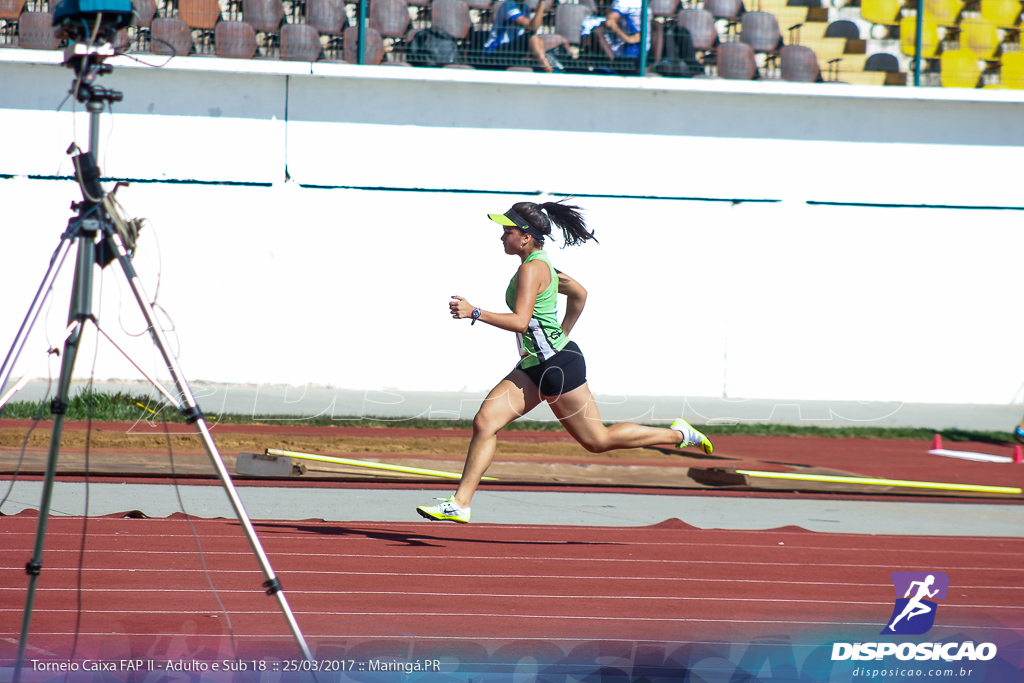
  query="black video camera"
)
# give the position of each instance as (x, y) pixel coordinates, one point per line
(95, 21)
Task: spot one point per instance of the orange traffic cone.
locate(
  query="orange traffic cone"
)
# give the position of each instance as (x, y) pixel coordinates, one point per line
(1018, 453)
(937, 443)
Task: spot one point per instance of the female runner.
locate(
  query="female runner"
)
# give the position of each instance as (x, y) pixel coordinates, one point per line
(551, 368)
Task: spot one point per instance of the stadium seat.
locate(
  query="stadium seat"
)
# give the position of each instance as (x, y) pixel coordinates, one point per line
(877, 78)
(724, 9)
(882, 61)
(265, 16)
(10, 9)
(389, 17)
(170, 37)
(569, 21)
(799, 63)
(929, 37)
(235, 39)
(451, 16)
(35, 31)
(300, 43)
(199, 14)
(980, 36)
(881, 11)
(942, 12)
(1002, 13)
(373, 51)
(760, 30)
(145, 10)
(701, 25)
(663, 8)
(960, 69)
(735, 60)
(121, 40)
(328, 17)
(843, 29)
(1011, 71)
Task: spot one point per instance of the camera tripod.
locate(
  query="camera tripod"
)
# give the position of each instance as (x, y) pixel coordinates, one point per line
(102, 236)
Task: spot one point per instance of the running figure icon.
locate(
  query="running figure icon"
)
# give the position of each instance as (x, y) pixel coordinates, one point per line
(916, 594)
(915, 607)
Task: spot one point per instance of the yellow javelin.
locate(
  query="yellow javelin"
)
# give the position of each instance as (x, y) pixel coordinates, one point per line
(372, 465)
(880, 482)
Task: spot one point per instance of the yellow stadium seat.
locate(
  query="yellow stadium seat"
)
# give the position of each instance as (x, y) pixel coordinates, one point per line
(980, 36)
(960, 69)
(942, 12)
(1002, 13)
(880, 11)
(1012, 72)
(929, 37)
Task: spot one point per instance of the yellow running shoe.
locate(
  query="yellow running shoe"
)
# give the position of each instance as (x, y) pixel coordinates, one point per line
(691, 437)
(447, 511)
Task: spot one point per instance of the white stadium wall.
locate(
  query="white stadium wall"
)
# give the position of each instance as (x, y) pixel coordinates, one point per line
(309, 223)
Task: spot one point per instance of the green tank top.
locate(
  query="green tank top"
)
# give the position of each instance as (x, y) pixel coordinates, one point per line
(545, 337)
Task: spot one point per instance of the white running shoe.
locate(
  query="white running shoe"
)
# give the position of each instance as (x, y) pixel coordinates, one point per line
(691, 437)
(447, 511)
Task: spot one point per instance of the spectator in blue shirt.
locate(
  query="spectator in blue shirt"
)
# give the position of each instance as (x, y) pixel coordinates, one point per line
(514, 33)
(619, 35)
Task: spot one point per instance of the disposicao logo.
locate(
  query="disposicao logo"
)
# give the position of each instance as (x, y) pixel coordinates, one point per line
(915, 608)
(914, 614)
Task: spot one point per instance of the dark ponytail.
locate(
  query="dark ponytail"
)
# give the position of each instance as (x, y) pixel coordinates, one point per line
(566, 216)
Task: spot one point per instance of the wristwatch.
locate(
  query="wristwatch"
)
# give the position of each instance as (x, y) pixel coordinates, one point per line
(476, 315)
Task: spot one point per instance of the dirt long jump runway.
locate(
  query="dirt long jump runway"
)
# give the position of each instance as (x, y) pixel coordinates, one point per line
(141, 449)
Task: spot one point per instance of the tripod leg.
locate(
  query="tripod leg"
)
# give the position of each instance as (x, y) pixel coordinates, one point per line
(81, 309)
(33, 312)
(190, 409)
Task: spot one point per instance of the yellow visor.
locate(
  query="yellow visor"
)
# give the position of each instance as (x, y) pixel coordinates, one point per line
(502, 219)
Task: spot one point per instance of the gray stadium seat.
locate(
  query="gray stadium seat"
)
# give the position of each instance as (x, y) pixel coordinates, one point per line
(300, 43)
(842, 29)
(701, 25)
(569, 21)
(760, 30)
(373, 51)
(170, 37)
(265, 16)
(35, 31)
(799, 63)
(328, 17)
(389, 17)
(451, 16)
(235, 39)
(883, 61)
(735, 60)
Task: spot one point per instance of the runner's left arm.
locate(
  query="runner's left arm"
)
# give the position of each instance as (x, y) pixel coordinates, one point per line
(576, 297)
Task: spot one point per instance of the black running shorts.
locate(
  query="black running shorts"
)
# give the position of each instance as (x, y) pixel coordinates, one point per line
(560, 374)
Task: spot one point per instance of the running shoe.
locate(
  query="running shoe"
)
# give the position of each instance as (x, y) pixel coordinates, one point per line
(691, 437)
(1018, 434)
(447, 511)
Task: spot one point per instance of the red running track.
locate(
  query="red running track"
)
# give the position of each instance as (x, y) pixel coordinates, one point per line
(145, 594)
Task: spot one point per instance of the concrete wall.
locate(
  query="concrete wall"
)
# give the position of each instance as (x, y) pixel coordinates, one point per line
(757, 240)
